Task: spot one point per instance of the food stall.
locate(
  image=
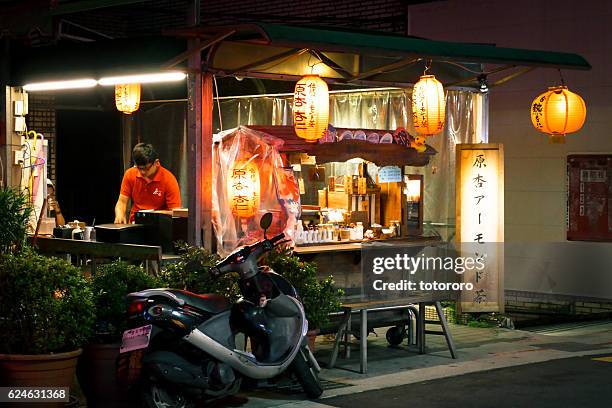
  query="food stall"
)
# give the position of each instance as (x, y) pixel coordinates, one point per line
(373, 194)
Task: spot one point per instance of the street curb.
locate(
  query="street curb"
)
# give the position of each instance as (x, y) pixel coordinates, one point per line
(500, 360)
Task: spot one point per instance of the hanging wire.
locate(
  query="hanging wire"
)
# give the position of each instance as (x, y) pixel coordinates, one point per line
(427, 66)
(310, 55)
(561, 76)
(218, 104)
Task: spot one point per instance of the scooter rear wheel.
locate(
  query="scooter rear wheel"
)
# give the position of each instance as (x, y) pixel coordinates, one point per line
(306, 374)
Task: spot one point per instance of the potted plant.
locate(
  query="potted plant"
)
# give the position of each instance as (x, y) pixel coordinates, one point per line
(96, 369)
(319, 297)
(46, 306)
(190, 273)
(46, 315)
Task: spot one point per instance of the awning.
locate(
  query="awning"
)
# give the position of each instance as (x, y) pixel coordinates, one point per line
(282, 52)
(365, 57)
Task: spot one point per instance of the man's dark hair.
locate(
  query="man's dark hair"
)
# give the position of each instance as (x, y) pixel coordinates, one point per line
(144, 154)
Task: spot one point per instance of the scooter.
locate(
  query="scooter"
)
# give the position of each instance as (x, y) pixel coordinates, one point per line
(181, 347)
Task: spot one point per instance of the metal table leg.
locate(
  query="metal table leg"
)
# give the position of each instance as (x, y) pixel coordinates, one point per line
(421, 328)
(342, 330)
(363, 349)
(347, 336)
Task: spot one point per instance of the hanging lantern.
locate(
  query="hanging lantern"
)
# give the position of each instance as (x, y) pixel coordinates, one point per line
(127, 97)
(558, 112)
(310, 107)
(243, 189)
(428, 106)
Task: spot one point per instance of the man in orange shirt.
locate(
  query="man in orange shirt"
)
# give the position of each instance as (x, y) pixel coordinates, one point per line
(147, 184)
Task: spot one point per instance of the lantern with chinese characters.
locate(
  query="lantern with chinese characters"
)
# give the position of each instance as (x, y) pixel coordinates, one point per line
(310, 107)
(428, 106)
(127, 97)
(243, 189)
(558, 112)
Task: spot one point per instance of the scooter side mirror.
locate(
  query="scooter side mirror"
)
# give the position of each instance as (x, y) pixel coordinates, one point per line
(265, 222)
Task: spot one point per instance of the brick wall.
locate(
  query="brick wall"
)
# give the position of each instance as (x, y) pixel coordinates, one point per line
(383, 15)
(153, 16)
(545, 304)
(41, 118)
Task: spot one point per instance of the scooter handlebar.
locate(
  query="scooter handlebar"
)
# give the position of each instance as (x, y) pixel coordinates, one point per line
(258, 248)
(277, 238)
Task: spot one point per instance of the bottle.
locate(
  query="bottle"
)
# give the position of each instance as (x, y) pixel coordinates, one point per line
(299, 232)
(359, 231)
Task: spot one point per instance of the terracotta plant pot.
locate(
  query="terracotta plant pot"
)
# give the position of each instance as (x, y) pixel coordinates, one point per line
(312, 336)
(44, 370)
(96, 375)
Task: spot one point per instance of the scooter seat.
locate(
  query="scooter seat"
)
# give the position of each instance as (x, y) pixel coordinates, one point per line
(210, 303)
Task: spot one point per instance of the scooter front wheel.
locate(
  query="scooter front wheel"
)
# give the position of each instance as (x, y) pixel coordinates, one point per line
(156, 396)
(306, 374)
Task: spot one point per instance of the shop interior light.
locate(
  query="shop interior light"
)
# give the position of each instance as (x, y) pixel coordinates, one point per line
(58, 85)
(413, 191)
(144, 78)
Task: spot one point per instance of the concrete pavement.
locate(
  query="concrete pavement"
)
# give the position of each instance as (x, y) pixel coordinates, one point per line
(479, 349)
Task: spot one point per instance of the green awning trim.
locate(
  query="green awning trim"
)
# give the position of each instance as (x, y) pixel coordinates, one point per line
(386, 44)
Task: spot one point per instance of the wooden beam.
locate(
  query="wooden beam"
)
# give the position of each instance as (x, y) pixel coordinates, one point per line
(281, 56)
(206, 167)
(385, 68)
(194, 150)
(197, 47)
(332, 64)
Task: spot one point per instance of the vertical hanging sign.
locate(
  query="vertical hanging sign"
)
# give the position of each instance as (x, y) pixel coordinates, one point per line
(480, 224)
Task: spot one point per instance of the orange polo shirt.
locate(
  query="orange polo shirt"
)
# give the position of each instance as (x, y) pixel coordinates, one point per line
(160, 193)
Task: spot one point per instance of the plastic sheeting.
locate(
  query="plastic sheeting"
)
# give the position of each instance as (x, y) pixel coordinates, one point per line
(278, 189)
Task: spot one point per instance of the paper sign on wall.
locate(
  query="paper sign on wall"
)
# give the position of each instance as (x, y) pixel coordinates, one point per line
(389, 174)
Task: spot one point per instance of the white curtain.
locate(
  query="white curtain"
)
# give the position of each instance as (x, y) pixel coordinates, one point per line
(466, 122)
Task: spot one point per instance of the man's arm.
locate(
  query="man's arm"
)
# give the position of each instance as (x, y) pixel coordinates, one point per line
(173, 194)
(121, 208)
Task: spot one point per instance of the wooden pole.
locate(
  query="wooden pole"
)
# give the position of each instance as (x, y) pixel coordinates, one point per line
(207, 160)
(194, 134)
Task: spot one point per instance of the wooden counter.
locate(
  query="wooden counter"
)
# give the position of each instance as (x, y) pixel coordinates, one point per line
(358, 246)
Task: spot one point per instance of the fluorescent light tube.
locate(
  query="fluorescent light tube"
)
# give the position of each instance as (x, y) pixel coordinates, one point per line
(56, 85)
(143, 79)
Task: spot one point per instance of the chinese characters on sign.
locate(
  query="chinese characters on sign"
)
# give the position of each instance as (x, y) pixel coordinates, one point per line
(310, 107)
(243, 189)
(480, 220)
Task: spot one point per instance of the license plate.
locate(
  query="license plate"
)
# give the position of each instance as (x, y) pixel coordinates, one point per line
(135, 339)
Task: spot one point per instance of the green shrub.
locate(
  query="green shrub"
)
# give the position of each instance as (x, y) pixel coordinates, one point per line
(46, 305)
(191, 273)
(319, 297)
(15, 212)
(111, 283)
